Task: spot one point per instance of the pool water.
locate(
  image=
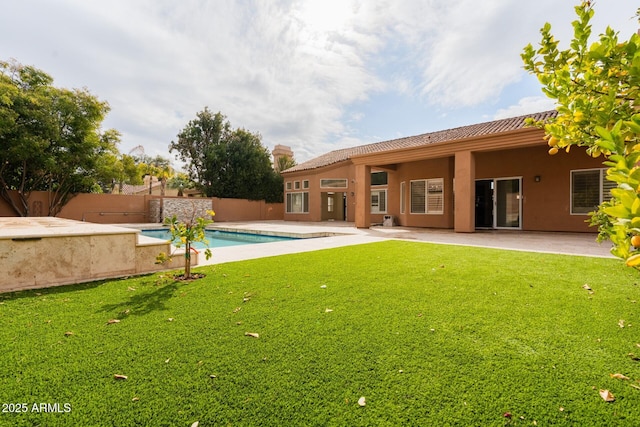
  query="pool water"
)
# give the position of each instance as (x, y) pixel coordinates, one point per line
(221, 239)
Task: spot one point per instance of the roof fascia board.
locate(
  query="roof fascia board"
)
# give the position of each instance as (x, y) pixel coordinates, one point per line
(512, 139)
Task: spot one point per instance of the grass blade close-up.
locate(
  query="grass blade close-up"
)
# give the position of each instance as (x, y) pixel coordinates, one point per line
(428, 334)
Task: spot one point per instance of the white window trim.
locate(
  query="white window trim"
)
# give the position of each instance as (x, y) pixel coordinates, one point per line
(288, 185)
(426, 197)
(601, 182)
(403, 197)
(305, 184)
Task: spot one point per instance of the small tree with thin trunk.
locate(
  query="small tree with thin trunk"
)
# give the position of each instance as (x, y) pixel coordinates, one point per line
(184, 234)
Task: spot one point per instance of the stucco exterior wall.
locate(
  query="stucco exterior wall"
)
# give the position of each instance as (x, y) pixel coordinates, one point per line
(246, 210)
(546, 204)
(342, 171)
(125, 209)
(425, 169)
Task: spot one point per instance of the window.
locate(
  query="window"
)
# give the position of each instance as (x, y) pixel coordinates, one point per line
(330, 202)
(296, 185)
(402, 197)
(333, 183)
(589, 188)
(427, 196)
(379, 178)
(305, 184)
(379, 201)
(298, 202)
(289, 185)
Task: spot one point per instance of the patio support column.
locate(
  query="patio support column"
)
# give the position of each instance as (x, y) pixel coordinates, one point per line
(465, 192)
(363, 196)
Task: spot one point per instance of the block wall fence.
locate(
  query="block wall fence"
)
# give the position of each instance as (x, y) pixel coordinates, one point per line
(134, 209)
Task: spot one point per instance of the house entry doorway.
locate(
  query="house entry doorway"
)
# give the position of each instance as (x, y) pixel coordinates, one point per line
(499, 203)
(334, 206)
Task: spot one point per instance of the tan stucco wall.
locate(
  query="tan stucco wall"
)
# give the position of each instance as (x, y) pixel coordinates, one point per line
(341, 171)
(545, 207)
(546, 204)
(425, 169)
(127, 209)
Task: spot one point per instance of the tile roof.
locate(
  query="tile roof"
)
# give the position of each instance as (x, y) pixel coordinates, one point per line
(138, 189)
(449, 135)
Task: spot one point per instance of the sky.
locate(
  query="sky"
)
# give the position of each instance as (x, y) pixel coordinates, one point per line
(315, 75)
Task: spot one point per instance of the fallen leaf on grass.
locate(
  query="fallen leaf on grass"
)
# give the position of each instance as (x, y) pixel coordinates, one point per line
(323, 287)
(120, 377)
(237, 309)
(621, 323)
(196, 424)
(328, 310)
(251, 334)
(131, 289)
(135, 399)
(618, 376)
(607, 396)
(68, 333)
(635, 386)
(362, 401)
(112, 321)
(634, 357)
(167, 361)
(587, 287)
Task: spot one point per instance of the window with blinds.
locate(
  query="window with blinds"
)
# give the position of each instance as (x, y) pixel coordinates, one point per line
(418, 197)
(297, 202)
(427, 196)
(589, 188)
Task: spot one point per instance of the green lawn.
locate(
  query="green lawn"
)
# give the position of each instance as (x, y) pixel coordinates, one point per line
(430, 335)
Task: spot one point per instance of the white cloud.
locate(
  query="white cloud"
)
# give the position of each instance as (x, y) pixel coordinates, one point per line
(527, 105)
(289, 69)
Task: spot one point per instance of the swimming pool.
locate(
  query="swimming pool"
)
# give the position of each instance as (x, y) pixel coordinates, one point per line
(221, 239)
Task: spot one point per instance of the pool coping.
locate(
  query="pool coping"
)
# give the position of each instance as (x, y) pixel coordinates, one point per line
(252, 230)
(273, 233)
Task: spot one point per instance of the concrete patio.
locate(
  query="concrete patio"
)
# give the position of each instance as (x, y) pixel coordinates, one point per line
(345, 234)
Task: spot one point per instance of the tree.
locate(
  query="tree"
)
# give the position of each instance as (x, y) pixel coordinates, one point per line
(186, 234)
(225, 162)
(200, 135)
(50, 138)
(181, 182)
(158, 167)
(283, 163)
(596, 89)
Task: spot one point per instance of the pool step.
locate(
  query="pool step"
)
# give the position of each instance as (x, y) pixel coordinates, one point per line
(148, 248)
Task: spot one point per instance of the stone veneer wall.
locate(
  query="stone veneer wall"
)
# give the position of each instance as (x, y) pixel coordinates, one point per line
(186, 209)
(155, 210)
